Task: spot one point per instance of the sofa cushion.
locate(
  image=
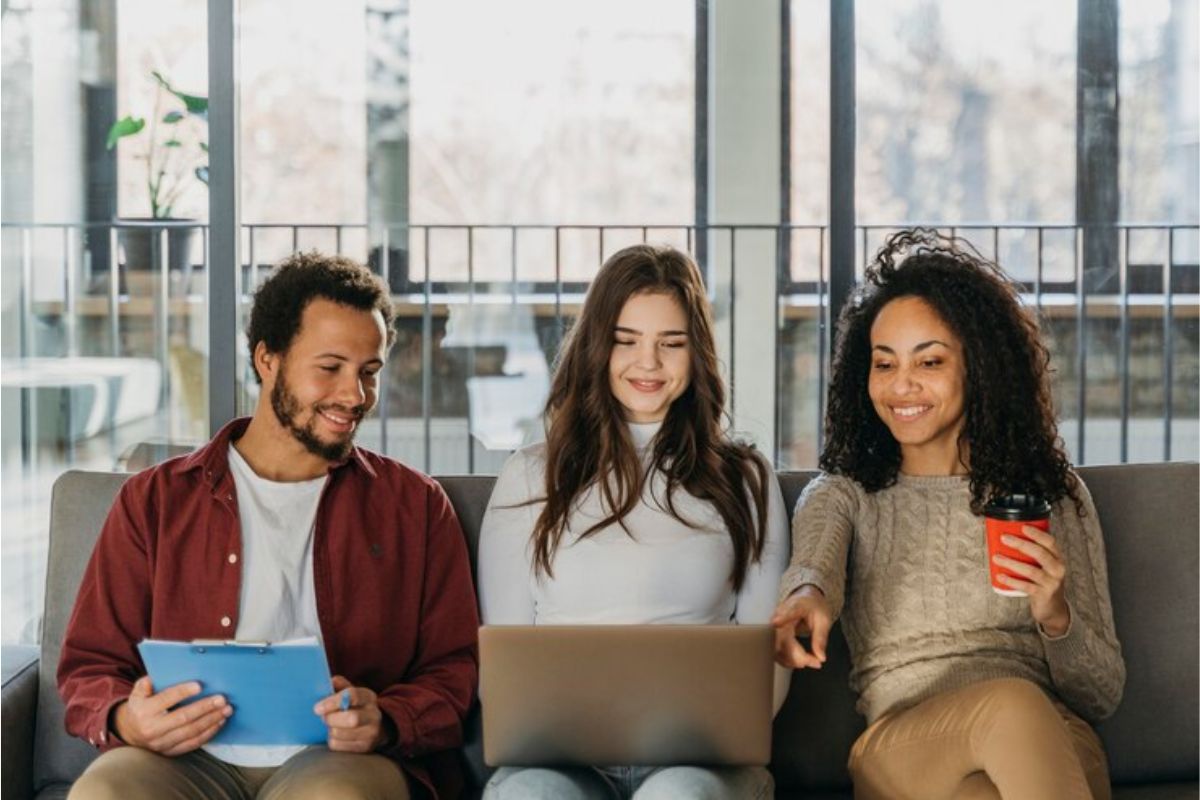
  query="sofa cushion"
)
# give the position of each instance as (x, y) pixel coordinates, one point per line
(1186, 790)
(1149, 515)
(78, 507)
(817, 726)
(20, 709)
(469, 495)
(1150, 520)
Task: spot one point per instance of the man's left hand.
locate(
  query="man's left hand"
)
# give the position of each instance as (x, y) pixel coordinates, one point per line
(360, 728)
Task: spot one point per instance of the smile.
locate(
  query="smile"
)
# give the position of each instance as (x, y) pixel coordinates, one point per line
(340, 421)
(649, 387)
(909, 412)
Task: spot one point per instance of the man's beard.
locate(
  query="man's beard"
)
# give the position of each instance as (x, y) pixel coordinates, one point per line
(286, 407)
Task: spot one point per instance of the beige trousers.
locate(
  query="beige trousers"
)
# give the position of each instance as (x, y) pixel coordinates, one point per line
(131, 773)
(996, 739)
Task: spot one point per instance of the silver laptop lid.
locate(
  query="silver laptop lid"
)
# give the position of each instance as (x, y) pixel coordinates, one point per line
(626, 694)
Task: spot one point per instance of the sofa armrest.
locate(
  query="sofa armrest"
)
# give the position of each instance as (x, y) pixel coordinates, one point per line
(19, 715)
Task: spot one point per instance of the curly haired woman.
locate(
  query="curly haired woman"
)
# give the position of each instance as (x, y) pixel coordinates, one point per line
(639, 508)
(939, 400)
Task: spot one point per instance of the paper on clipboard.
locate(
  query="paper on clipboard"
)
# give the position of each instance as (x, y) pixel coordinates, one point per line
(272, 686)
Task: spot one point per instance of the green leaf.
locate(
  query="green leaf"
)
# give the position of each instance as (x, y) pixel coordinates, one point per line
(171, 117)
(126, 126)
(204, 146)
(172, 143)
(195, 104)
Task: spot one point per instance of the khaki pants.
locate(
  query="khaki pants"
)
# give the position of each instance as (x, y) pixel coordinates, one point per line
(1002, 738)
(131, 773)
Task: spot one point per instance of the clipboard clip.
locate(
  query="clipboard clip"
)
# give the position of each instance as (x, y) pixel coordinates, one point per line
(202, 645)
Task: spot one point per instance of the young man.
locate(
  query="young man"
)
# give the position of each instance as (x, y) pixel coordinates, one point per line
(280, 528)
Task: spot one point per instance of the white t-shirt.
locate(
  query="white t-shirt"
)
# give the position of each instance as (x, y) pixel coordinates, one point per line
(278, 600)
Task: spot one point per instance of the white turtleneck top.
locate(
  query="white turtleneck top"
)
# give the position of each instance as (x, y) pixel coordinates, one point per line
(660, 571)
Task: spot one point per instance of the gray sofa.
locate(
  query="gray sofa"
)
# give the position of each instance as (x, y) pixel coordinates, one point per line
(1149, 514)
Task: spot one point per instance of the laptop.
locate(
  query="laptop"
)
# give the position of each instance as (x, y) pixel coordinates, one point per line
(626, 694)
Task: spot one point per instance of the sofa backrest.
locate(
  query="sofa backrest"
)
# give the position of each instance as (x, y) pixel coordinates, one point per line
(78, 505)
(818, 724)
(1151, 524)
(1150, 517)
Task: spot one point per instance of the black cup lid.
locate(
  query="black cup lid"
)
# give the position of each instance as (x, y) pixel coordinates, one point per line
(1018, 507)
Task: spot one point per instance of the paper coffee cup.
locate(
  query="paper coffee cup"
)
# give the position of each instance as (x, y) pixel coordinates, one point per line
(1005, 515)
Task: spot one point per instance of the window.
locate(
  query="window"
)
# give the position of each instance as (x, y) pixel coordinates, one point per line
(94, 367)
(487, 157)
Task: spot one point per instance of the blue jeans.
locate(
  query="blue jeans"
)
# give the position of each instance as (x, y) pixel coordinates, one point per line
(623, 783)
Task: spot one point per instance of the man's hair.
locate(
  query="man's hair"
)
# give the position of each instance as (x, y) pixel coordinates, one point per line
(280, 301)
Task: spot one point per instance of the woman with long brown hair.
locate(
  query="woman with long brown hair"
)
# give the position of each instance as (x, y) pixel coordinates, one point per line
(638, 508)
(939, 404)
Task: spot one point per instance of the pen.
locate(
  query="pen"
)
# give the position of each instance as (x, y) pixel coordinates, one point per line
(345, 701)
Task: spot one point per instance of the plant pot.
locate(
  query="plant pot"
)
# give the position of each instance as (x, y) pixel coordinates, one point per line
(140, 241)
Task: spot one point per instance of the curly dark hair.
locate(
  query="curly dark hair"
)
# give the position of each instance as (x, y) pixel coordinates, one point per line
(280, 300)
(1009, 424)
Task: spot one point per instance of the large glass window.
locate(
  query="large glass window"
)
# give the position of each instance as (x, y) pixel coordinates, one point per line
(1160, 196)
(584, 117)
(966, 111)
(1160, 66)
(104, 335)
(485, 168)
(804, 302)
(486, 157)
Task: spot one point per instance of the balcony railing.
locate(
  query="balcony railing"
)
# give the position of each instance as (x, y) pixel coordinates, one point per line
(94, 366)
(1125, 347)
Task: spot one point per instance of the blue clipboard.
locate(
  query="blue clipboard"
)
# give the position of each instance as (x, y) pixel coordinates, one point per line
(272, 687)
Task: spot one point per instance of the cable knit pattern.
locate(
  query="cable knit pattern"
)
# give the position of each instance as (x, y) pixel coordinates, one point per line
(906, 570)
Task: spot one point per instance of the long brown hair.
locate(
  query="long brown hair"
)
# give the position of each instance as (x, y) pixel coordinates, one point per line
(587, 439)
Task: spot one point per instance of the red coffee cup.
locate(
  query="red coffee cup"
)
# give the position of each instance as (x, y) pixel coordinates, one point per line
(1005, 515)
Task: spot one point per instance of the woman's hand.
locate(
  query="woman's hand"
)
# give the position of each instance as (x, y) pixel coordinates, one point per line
(805, 612)
(1043, 581)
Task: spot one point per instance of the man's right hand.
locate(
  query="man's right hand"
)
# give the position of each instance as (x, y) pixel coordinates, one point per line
(805, 612)
(147, 720)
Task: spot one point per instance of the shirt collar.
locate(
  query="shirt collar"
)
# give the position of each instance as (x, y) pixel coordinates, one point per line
(213, 458)
(643, 433)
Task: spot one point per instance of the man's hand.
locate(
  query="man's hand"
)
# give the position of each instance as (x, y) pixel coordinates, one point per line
(147, 720)
(361, 727)
(804, 613)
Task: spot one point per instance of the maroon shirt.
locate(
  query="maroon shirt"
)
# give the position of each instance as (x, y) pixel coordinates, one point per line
(393, 583)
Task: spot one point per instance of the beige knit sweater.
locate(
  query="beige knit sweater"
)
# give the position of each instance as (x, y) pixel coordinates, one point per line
(906, 570)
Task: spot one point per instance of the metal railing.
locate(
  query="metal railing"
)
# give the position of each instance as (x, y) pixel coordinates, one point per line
(70, 307)
(1124, 342)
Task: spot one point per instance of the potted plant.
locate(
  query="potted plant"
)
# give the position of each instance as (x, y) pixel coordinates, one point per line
(175, 154)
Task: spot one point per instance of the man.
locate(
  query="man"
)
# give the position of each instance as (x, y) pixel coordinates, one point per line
(276, 529)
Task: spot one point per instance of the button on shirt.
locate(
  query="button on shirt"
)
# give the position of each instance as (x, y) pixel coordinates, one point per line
(278, 600)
